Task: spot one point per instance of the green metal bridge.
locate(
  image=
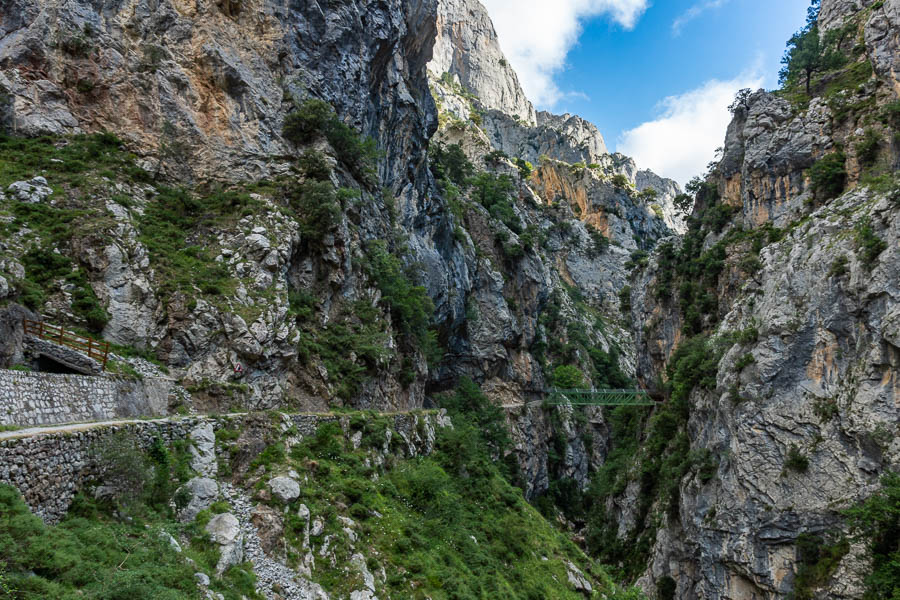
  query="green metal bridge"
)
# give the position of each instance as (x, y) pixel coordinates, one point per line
(629, 397)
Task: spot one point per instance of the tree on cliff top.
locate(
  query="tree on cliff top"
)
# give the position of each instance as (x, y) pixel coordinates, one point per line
(807, 54)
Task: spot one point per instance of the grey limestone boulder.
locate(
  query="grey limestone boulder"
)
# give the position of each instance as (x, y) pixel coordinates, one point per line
(34, 191)
(284, 488)
(203, 491)
(203, 450)
(225, 530)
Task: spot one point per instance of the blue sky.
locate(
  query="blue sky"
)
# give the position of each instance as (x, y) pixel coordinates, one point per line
(654, 76)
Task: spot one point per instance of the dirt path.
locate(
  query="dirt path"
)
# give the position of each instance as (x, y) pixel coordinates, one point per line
(32, 431)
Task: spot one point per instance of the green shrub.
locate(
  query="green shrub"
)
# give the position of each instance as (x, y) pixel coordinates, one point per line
(353, 347)
(649, 195)
(607, 373)
(717, 216)
(494, 157)
(122, 465)
(828, 176)
(409, 304)
(625, 300)
(684, 203)
(513, 251)
(746, 336)
(744, 361)
(472, 406)
(525, 168)
(313, 118)
(271, 456)
(621, 181)
(796, 460)
(317, 208)
(867, 148)
(567, 377)
(450, 163)
(839, 266)
(599, 242)
(76, 44)
(302, 305)
(706, 192)
(638, 258)
(307, 121)
(314, 165)
(876, 523)
(494, 193)
(868, 245)
(816, 563)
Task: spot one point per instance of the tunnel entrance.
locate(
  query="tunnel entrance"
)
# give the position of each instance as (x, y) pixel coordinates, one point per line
(46, 364)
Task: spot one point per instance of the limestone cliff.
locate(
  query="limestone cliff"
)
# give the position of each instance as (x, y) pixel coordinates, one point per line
(356, 204)
(466, 49)
(792, 283)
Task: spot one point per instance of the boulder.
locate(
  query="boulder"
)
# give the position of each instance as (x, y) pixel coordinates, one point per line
(225, 530)
(284, 488)
(33, 192)
(202, 492)
(577, 579)
(270, 527)
(173, 543)
(203, 450)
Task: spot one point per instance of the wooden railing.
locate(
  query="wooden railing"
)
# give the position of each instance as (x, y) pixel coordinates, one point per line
(99, 351)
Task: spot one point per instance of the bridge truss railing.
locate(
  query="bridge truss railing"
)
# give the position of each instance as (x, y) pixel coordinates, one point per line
(601, 397)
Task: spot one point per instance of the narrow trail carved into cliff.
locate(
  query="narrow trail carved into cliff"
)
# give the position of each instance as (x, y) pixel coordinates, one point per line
(85, 426)
(72, 427)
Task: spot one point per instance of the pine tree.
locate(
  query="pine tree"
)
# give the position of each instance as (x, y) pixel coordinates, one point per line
(806, 53)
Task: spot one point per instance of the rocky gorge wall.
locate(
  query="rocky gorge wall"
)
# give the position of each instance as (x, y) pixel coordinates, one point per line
(32, 398)
(794, 293)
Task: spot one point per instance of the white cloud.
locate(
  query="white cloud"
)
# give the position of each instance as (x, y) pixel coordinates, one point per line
(694, 12)
(536, 36)
(682, 140)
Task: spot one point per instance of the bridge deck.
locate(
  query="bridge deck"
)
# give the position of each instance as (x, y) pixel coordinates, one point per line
(628, 397)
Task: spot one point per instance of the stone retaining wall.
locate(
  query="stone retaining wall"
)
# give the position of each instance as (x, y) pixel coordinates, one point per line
(28, 399)
(49, 468)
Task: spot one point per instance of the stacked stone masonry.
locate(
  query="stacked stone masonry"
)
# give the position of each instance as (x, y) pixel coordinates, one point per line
(30, 398)
(50, 468)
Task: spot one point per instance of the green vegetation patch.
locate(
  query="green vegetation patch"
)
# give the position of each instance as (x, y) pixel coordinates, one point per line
(352, 347)
(817, 560)
(876, 522)
(114, 549)
(828, 176)
(177, 228)
(76, 162)
(444, 526)
(314, 118)
(868, 245)
(655, 450)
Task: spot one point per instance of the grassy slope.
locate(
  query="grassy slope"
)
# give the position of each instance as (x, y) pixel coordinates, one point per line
(445, 526)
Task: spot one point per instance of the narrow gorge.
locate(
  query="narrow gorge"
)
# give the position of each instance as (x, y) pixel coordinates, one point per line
(288, 291)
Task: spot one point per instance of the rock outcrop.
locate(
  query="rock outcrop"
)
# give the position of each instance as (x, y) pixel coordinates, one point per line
(321, 270)
(802, 415)
(466, 49)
